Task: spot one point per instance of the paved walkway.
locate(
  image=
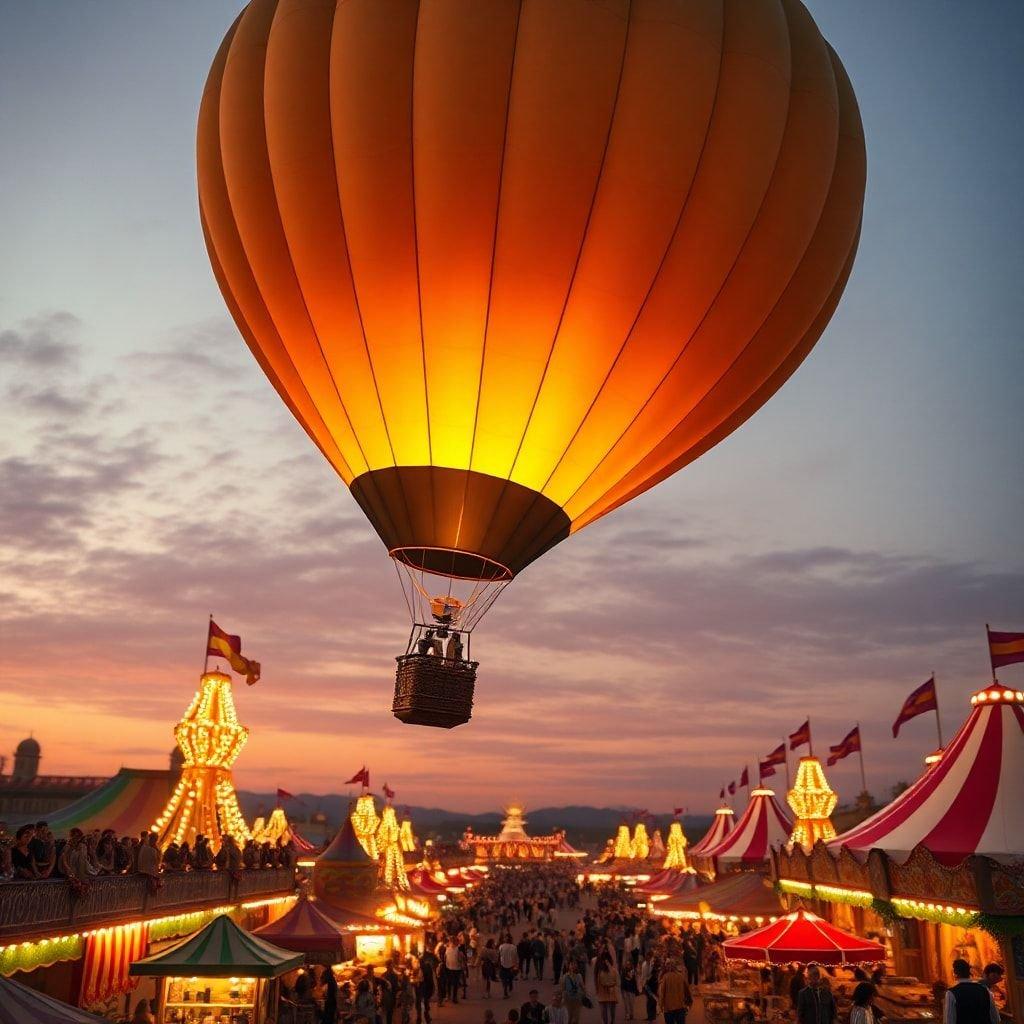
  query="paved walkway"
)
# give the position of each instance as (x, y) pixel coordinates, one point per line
(471, 1010)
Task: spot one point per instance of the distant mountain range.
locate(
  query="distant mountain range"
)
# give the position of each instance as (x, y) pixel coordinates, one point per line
(584, 826)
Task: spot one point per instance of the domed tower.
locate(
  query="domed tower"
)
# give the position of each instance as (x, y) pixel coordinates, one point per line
(26, 760)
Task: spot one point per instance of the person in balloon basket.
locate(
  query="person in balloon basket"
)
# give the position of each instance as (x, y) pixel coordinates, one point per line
(815, 1004)
(969, 1001)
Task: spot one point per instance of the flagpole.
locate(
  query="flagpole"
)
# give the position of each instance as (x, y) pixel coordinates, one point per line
(860, 754)
(938, 721)
(810, 742)
(206, 647)
(785, 758)
(988, 640)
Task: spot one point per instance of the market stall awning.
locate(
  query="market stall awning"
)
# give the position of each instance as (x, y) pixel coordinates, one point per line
(805, 938)
(20, 1004)
(764, 824)
(720, 828)
(220, 950)
(741, 897)
(969, 802)
(304, 928)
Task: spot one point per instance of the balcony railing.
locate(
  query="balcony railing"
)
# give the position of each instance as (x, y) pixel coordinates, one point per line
(33, 909)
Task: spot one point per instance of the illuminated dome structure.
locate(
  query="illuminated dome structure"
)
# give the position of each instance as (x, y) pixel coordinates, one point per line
(640, 846)
(391, 853)
(366, 822)
(513, 843)
(406, 836)
(623, 849)
(812, 801)
(675, 852)
(210, 739)
(657, 851)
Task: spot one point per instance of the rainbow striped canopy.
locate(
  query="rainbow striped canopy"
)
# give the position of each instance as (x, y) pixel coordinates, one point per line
(220, 950)
(128, 803)
(20, 1004)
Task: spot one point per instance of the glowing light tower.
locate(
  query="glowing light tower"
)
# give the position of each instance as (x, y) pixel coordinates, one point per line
(623, 844)
(675, 851)
(641, 846)
(392, 862)
(210, 739)
(366, 822)
(813, 802)
(406, 836)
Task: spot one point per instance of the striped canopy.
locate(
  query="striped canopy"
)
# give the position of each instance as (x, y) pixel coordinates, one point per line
(720, 828)
(668, 882)
(220, 950)
(969, 802)
(764, 824)
(422, 882)
(744, 895)
(20, 1004)
(128, 803)
(802, 937)
(304, 928)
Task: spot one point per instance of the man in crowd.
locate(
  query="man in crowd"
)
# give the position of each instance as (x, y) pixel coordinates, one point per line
(532, 1012)
(969, 1001)
(507, 960)
(815, 1003)
(674, 993)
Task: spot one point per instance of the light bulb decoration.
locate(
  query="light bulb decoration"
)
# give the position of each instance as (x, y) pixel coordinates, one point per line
(406, 836)
(623, 844)
(391, 869)
(640, 848)
(813, 802)
(365, 823)
(675, 850)
(210, 739)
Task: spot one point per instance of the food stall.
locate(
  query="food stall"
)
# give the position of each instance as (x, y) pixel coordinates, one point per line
(220, 975)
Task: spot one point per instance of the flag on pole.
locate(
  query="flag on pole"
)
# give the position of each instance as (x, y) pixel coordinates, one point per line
(678, 810)
(777, 756)
(1005, 648)
(721, 793)
(801, 737)
(224, 645)
(732, 789)
(766, 768)
(921, 700)
(389, 792)
(745, 777)
(283, 794)
(849, 744)
(362, 777)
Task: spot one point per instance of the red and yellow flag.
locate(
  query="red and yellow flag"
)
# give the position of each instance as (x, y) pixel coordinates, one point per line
(1005, 648)
(921, 700)
(223, 645)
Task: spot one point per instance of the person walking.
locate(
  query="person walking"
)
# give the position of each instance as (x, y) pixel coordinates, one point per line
(507, 960)
(815, 1003)
(489, 966)
(573, 991)
(426, 985)
(628, 985)
(969, 1001)
(863, 996)
(607, 986)
(557, 956)
(674, 994)
(532, 1011)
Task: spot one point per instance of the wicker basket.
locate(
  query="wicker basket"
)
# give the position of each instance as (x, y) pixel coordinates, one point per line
(433, 691)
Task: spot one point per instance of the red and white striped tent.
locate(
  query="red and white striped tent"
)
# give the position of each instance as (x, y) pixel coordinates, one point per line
(764, 824)
(720, 828)
(969, 802)
(668, 882)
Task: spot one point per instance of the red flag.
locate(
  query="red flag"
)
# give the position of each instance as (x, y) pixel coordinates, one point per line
(921, 700)
(362, 777)
(678, 810)
(777, 756)
(849, 744)
(283, 794)
(224, 645)
(745, 777)
(801, 736)
(721, 794)
(1005, 648)
(732, 789)
(389, 792)
(765, 768)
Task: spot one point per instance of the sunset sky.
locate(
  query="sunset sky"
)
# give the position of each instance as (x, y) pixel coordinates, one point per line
(851, 538)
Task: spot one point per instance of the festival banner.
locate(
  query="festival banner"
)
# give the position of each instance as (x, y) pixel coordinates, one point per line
(1005, 648)
(923, 699)
(801, 737)
(849, 744)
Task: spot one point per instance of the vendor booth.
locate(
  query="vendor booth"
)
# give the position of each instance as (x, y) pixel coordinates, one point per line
(220, 975)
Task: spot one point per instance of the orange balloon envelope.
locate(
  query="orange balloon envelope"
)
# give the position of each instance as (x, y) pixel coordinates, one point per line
(511, 263)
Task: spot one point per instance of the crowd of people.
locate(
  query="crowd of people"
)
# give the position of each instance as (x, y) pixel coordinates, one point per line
(33, 852)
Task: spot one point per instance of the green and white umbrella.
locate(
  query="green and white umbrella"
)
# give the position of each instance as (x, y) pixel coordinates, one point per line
(220, 950)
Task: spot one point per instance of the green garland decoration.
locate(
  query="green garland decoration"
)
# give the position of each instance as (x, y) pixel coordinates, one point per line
(885, 910)
(1001, 926)
(29, 956)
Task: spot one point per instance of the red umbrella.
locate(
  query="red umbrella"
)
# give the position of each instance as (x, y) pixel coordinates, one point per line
(805, 938)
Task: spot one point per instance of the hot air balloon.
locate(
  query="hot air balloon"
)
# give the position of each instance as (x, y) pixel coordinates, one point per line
(510, 263)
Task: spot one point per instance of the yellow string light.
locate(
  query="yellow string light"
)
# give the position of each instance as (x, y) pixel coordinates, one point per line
(813, 802)
(675, 852)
